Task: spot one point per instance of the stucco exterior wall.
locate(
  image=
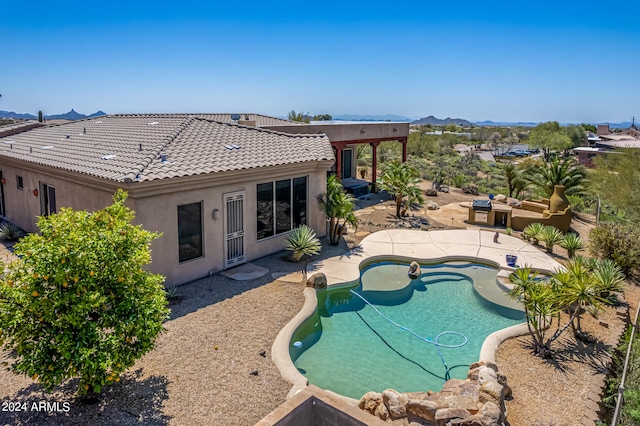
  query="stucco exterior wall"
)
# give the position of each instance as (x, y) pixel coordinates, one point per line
(22, 207)
(156, 205)
(350, 131)
(159, 213)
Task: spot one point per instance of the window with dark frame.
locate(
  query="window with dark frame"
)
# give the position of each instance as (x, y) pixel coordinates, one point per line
(189, 231)
(19, 182)
(281, 206)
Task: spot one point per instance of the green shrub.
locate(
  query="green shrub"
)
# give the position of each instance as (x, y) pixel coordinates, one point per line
(572, 242)
(577, 203)
(78, 302)
(620, 243)
(458, 180)
(302, 241)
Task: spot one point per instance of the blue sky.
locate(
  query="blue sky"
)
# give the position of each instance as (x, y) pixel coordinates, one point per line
(505, 61)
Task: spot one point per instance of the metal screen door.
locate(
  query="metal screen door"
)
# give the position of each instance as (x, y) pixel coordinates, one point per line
(234, 229)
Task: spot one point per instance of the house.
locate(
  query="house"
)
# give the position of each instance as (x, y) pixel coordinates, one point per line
(221, 188)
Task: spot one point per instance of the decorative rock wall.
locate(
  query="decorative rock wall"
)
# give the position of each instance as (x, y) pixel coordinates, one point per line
(476, 401)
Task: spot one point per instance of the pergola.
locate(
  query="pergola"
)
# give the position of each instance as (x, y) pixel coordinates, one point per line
(344, 134)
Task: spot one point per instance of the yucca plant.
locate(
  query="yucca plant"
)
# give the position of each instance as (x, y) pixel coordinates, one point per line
(572, 242)
(532, 232)
(551, 236)
(9, 231)
(301, 241)
(608, 276)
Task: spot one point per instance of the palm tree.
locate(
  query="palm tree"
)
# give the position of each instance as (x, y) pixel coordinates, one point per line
(544, 176)
(337, 205)
(513, 175)
(298, 116)
(401, 180)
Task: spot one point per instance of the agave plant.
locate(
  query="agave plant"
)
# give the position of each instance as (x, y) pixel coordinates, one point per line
(532, 232)
(9, 231)
(609, 277)
(551, 236)
(301, 241)
(572, 242)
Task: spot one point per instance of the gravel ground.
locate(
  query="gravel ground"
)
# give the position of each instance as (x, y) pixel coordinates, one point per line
(185, 380)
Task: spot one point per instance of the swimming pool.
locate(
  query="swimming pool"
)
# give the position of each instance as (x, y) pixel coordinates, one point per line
(389, 331)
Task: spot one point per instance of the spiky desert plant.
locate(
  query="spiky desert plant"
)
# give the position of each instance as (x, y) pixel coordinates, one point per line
(301, 241)
(571, 243)
(532, 231)
(551, 236)
(9, 231)
(608, 276)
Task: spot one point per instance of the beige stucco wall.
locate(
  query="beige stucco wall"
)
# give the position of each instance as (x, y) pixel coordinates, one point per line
(350, 131)
(156, 205)
(22, 207)
(159, 212)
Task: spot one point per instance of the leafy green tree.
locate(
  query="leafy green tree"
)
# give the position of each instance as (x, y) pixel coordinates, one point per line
(322, 117)
(576, 134)
(78, 303)
(338, 206)
(298, 116)
(545, 176)
(589, 127)
(401, 180)
(549, 137)
(616, 178)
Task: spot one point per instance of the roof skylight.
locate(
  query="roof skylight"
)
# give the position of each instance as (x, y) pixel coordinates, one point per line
(47, 147)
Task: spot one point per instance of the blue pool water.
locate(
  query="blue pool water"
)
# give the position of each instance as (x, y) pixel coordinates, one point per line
(349, 346)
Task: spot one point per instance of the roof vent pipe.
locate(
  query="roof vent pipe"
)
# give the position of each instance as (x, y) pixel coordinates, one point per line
(30, 149)
(140, 148)
(68, 136)
(163, 157)
(84, 130)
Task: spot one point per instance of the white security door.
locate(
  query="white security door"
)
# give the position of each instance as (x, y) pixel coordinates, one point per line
(234, 229)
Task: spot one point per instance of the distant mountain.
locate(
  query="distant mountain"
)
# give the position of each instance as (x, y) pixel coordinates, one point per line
(356, 117)
(490, 123)
(438, 122)
(11, 114)
(71, 115)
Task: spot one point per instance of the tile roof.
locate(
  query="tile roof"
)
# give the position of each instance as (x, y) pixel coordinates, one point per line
(127, 148)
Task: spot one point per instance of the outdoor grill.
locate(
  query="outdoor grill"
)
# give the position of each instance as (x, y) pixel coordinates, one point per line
(481, 205)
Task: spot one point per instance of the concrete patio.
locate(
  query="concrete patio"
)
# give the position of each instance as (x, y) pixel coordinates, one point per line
(471, 245)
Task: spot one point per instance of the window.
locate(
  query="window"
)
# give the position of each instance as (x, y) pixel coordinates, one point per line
(265, 210)
(20, 183)
(47, 200)
(282, 206)
(189, 231)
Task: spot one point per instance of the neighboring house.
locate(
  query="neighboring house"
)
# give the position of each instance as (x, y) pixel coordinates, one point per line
(606, 142)
(220, 188)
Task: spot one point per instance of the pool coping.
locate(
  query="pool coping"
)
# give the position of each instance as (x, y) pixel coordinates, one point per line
(345, 270)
